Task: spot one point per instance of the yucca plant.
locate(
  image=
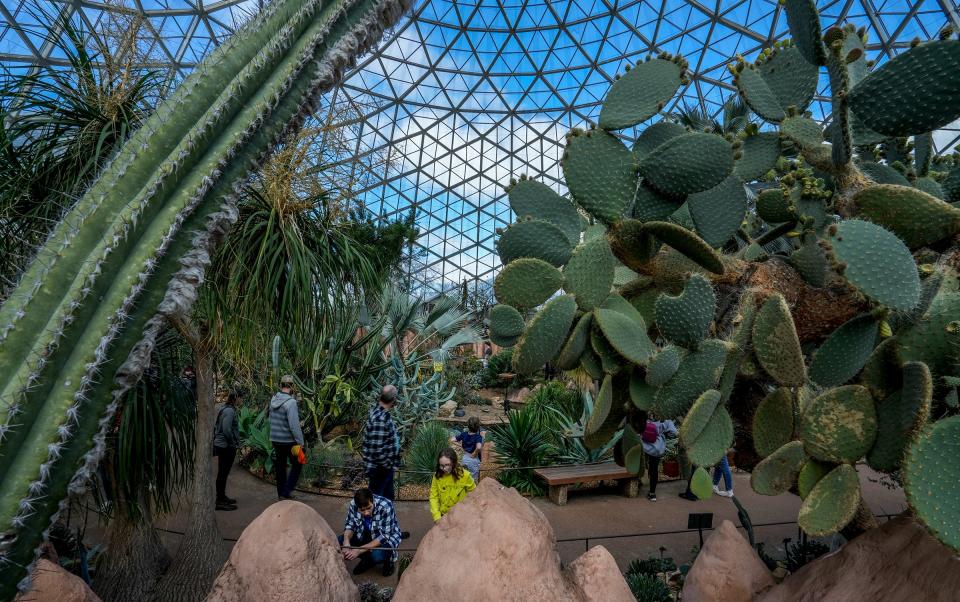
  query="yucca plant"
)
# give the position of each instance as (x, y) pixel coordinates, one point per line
(420, 460)
(520, 444)
(138, 242)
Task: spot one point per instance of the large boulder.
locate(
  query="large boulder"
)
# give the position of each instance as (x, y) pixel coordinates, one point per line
(597, 575)
(897, 561)
(287, 553)
(50, 582)
(447, 409)
(496, 545)
(727, 569)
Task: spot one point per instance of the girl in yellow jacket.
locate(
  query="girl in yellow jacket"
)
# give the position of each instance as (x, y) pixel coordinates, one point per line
(451, 483)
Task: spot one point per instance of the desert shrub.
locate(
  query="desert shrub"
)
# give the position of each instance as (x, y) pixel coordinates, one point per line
(648, 588)
(651, 566)
(519, 443)
(421, 458)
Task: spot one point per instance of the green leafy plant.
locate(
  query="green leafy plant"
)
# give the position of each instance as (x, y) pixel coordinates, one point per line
(420, 459)
(521, 444)
(651, 566)
(648, 588)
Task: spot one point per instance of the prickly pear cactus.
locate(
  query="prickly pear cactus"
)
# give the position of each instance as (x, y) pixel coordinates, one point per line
(79, 328)
(815, 323)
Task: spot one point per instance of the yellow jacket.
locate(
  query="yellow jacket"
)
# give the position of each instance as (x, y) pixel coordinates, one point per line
(446, 491)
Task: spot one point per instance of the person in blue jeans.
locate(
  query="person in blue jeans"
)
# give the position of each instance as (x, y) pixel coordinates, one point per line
(723, 468)
(372, 532)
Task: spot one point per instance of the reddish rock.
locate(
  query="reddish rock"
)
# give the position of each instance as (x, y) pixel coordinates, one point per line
(897, 561)
(514, 557)
(598, 577)
(727, 569)
(287, 553)
(53, 583)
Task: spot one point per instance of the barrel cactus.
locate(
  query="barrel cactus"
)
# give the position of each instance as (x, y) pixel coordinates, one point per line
(78, 329)
(836, 297)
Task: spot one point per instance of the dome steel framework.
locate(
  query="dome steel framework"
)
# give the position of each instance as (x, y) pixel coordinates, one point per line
(462, 96)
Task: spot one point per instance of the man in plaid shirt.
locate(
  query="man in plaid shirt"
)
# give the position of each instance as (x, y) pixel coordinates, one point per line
(381, 449)
(371, 525)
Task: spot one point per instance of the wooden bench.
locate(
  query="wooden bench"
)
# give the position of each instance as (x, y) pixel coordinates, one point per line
(559, 478)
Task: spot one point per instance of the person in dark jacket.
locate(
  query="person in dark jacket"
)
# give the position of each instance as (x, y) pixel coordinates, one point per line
(226, 440)
(285, 433)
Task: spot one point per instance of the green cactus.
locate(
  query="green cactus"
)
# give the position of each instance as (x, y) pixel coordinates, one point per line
(901, 416)
(601, 174)
(810, 475)
(802, 131)
(641, 394)
(526, 283)
(883, 174)
(775, 206)
(916, 217)
(594, 439)
(700, 484)
(664, 365)
(934, 338)
(931, 187)
(931, 478)
(776, 345)
(543, 337)
(760, 152)
(881, 374)
(654, 136)
(87, 299)
(591, 363)
(832, 503)
(687, 243)
(913, 93)
(634, 460)
(611, 362)
(804, 22)
(627, 334)
(688, 164)
(840, 425)
(951, 186)
(773, 422)
(589, 274)
(641, 92)
(718, 213)
(876, 262)
(601, 406)
(685, 320)
(777, 473)
(536, 239)
(649, 205)
(506, 325)
(700, 370)
(576, 344)
(757, 93)
(632, 245)
(810, 262)
(707, 430)
(845, 351)
(539, 201)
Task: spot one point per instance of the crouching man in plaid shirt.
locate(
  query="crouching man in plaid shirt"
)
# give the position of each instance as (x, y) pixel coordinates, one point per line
(381, 453)
(371, 529)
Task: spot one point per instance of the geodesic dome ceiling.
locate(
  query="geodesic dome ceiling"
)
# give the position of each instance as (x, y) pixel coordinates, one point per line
(462, 96)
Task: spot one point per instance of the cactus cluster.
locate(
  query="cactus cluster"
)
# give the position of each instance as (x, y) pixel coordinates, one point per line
(825, 319)
(78, 329)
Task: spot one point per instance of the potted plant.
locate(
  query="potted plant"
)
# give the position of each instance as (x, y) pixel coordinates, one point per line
(671, 462)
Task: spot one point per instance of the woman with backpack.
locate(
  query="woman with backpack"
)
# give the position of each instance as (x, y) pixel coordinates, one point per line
(226, 440)
(654, 443)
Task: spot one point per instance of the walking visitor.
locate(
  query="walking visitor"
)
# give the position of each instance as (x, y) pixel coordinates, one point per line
(450, 484)
(226, 440)
(381, 446)
(285, 434)
(654, 443)
(472, 443)
(723, 468)
(372, 532)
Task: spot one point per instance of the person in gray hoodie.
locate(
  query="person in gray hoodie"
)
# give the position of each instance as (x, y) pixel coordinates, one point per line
(226, 440)
(284, 434)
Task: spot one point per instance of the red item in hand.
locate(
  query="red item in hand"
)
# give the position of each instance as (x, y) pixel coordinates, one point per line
(297, 452)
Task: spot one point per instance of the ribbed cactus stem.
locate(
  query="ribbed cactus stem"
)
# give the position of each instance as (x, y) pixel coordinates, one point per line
(147, 229)
(839, 87)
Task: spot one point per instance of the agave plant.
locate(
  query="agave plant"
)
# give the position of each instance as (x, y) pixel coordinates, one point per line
(137, 243)
(865, 274)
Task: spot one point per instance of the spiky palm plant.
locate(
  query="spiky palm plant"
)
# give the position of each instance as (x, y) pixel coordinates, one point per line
(78, 329)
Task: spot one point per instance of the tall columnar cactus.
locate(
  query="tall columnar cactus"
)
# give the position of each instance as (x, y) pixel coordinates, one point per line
(837, 298)
(78, 329)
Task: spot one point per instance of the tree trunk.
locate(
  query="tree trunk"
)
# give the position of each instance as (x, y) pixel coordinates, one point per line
(863, 521)
(200, 556)
(133, 560)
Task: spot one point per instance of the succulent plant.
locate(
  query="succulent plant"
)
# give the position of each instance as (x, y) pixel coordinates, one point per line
(837, 297)
(77, 330)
